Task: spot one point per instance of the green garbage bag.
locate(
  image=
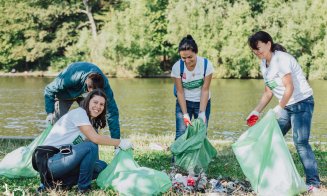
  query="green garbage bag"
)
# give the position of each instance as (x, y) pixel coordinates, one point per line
(126, 177)
(192, 150)
(266, 161)
(18, 163)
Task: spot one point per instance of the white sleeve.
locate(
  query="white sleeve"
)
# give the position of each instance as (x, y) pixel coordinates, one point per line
(80, 118)
(175, 72)
(210, 68)
(284, 64)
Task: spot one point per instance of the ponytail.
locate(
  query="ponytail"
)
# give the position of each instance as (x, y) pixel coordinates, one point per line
(277, 47)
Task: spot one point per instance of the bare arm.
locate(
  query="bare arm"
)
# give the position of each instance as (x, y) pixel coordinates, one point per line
(289, 88)
(94, 137)
(205, 93)
(180, 95)
(267, 95)
(265, 99)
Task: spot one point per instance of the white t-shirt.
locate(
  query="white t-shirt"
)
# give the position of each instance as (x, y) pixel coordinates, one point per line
(281, 64)
(192, 80)
(66, 129)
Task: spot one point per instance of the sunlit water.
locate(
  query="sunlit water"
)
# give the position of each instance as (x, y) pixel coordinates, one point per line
(147, 106)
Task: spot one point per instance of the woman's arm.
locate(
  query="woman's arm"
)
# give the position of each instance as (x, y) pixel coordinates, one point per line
(94, 137)
(265, 99)
(289, 88)
(205, 93)
(180, 95)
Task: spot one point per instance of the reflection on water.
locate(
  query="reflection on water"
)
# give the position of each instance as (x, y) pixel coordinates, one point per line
(147, 106)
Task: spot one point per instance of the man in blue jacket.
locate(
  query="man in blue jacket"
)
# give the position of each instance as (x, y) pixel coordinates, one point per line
(72, 84)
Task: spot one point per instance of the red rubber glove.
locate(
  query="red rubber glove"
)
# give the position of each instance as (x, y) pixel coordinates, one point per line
(252, 118)
(186, 119)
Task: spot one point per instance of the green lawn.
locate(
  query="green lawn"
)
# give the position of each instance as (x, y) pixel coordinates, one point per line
(224, 165)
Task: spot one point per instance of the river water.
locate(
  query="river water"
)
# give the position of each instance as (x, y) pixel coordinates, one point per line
(147, 106)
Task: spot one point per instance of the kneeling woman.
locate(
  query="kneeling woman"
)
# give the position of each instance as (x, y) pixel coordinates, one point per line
(78, 128)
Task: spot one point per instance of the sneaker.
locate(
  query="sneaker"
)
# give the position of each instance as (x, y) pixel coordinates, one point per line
(312, 189)
(41, 189)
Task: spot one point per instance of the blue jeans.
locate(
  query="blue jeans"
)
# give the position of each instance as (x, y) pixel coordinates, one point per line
(62, 107)
(298, 117)
(79, 167)
(193, 109)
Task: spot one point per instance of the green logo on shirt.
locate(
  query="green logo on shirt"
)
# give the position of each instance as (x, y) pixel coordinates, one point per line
(78, 140)
(193, 84)
(271, 84)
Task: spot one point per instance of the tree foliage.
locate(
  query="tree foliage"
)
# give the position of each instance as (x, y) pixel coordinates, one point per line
(141, 37)
(34, 32)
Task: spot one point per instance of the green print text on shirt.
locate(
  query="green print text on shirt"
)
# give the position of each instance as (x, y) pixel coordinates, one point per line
(78, 140)
(193, 84)
(271, 84)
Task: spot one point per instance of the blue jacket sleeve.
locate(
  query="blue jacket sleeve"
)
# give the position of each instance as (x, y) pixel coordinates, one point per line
(50, 92)
(112, 113)
(64, 86)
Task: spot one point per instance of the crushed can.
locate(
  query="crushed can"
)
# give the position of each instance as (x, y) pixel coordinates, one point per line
(190, 181)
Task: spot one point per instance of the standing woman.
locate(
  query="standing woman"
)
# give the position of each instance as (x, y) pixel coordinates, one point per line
(192, 76)
(77, 130)
(285, 80)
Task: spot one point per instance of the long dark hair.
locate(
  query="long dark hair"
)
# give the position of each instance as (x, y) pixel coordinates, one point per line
(99, 121)
(265, 38)
(188, 43)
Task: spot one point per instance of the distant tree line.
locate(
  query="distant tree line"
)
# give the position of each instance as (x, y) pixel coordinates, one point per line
(140, 37)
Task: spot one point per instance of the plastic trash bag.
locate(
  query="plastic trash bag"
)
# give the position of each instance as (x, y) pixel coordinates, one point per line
(192, 150)
(18, 163)
(266, 161)
(126, 177)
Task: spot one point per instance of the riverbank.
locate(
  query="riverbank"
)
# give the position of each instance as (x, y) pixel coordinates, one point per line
(28, 74)
(54, 74)
(154, 152)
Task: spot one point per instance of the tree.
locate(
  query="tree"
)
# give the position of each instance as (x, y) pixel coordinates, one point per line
(88, 12)
(37, 31)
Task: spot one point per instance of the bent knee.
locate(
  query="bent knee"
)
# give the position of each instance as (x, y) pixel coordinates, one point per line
(91, 146)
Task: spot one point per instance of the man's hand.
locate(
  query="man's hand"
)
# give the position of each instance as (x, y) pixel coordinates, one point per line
(125, 144)
(202, 115)
(50, 118)
(278, 111)
(186, 119)
(252, 118)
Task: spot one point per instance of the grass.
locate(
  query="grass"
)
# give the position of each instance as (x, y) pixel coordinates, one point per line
(224, 165)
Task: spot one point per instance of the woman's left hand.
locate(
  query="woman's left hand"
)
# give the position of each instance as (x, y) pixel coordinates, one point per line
(202, 115)
(125, 144)
(278, 111)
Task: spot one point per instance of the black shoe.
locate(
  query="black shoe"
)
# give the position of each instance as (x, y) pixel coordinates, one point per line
(40, 189)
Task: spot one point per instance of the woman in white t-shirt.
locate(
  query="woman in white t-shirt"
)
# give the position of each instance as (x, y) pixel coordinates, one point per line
(77, 129)
(192, 85)
(285, 80)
